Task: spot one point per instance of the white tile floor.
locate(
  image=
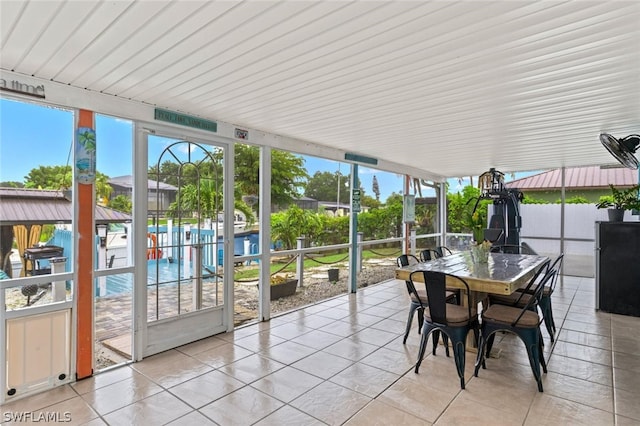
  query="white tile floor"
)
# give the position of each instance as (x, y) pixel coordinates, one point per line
(343, 362)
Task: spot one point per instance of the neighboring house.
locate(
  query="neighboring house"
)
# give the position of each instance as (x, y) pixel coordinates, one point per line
(588, 182)
(305, 203)
(312, 204)
(342, 209)
(160, 194)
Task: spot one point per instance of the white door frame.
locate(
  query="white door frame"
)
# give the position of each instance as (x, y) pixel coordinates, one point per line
(157, 336)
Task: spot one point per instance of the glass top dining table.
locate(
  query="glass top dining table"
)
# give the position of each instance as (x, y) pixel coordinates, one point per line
(502, 274)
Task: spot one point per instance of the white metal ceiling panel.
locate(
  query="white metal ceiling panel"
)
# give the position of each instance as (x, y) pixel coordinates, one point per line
(83, 35)
(30, 22)
(54, 33)
(452, 88)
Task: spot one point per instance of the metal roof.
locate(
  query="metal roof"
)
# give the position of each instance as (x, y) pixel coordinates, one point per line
(451, 88)
(22, 206)
(577, 178)
(127, 182)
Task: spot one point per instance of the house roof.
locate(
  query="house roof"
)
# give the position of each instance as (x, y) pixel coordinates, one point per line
(577, 178)
(25, 206)
(127, 182)
(433, 89)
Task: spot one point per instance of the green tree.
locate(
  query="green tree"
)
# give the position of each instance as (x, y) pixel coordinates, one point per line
(288, 225)
(288, 174)
(103, 189)
(59, 177)
(335, 230)
(121, 203)
(49, 177)
(170, 172)
(395, 206)
(576, 199)
(461, 216)
(530, 200)
(323, 186)
(205, 199)
(369, 201)
(11, 184)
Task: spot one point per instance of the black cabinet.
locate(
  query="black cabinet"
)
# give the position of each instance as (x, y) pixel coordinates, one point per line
(618, 267)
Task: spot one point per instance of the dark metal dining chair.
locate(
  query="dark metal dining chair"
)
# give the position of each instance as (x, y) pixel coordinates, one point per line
(427, 255)
(442, 251)
(512, 248)
(418, 301)
(523, 321)
(545, 299)
(418, 297)
(521, 296)
(453, 321)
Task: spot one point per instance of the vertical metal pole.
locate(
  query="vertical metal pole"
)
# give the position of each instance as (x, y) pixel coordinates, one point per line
(405, 226)
(300, 260)
(102, 264)
(186, 255)
(413, 241)
(228, 236)
(170, 238)
(360, 239)
(129, 233)
(139, 243)
(442, 209)
(353, 228)
(197, 277)
(338, 196)
(59, 288)
(562, 216)
(264, 295)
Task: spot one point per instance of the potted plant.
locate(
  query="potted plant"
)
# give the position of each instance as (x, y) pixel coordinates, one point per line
(283, 286)
(619, 201)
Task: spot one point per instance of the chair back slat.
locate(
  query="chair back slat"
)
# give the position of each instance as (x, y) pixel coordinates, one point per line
(425, 255)
(442, 251)
(556, 266)
(406, 260)
(536, 295)
(544, 269)
(436, 286)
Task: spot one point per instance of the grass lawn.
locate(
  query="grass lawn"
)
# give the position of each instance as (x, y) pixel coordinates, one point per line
(251, 272)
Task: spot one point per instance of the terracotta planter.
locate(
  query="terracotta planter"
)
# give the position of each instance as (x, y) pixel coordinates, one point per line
(285, 289)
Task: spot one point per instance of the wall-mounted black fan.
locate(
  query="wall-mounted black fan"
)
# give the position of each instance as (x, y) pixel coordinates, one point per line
(622, 149)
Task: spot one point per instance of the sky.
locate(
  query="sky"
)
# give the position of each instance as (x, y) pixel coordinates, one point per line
(32, 135)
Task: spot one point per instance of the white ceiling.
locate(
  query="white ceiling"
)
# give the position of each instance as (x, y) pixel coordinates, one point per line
(449, 87)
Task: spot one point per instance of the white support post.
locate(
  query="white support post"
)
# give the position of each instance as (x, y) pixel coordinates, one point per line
(413, 241)
(264, 295)
(102, 263)
(186, 255)
(247, 249)
(129, 234)
(360, 239)
(352, 285)
(58, 288)
(300, 260)
(442, 209)
(197, 277)
(170, 238)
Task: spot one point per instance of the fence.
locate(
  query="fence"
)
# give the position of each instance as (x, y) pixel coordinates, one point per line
(542, 229)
